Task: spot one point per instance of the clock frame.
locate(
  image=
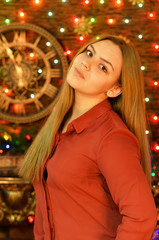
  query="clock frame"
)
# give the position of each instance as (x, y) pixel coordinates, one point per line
(32, 67)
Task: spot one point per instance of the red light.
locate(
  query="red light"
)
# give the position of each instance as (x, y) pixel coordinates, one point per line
(68, 52)
(30, 219)
(155, 83)
(32, 55)
(154, 167)
(1, 151)
(157, 147)
(119, 2)
(156, 46)
(111, 21)
(76, 20)
(151, 15)
(87, 2)
(81, 38)
(37, 1)
(155, 118)
(21, 14)
(7, 91)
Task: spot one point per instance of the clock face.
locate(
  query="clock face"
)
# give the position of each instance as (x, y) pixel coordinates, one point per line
(32, 66)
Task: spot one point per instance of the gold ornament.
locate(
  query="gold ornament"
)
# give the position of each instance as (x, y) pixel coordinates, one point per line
(134, 2)
(84, 26)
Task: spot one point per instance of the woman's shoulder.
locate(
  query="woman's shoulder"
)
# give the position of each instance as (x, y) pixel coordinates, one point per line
(117, 129)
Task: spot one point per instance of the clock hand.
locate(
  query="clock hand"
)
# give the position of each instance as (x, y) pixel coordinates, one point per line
(18, 68)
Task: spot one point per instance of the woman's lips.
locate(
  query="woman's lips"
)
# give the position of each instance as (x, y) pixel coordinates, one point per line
(77, 71)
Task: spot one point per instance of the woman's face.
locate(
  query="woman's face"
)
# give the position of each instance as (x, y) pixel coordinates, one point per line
(96, 70)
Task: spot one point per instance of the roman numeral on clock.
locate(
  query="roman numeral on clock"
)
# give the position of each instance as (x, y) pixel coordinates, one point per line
(4, 103)
(38, 104)
(55, 73)
(50, 54)
(50, 90)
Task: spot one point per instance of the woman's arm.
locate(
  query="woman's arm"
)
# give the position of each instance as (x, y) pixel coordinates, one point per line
(119, 162)
(38, 224)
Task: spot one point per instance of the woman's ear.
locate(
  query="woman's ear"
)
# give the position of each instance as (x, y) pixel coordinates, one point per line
(114, 91)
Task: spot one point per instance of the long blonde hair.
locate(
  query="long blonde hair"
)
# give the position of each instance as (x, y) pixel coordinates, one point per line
(130, 105)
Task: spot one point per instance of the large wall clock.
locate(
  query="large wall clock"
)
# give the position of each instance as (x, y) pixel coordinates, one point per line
(32, 66)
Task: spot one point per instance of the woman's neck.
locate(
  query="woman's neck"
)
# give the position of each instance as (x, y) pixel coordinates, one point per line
(84, 103)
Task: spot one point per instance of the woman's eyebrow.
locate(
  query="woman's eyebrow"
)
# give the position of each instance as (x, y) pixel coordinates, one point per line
(102, 58)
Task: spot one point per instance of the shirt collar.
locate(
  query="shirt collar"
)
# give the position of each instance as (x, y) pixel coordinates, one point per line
(85, 119)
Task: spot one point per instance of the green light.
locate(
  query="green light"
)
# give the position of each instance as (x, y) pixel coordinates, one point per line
(64, 1)
(153, 174)
(126, 20)
(7, 1)
(92, 20)
(97, 37)
(50, 13)
(7, 21)
(101, 1)
(17, 142)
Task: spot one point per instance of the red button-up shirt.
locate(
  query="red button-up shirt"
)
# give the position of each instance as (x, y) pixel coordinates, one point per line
(96, 188)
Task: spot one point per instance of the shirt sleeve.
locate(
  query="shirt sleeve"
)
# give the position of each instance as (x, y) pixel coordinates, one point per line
(119, 162)
(38, 223)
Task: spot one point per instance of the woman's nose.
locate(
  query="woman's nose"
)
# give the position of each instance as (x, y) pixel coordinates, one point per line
(85, 65)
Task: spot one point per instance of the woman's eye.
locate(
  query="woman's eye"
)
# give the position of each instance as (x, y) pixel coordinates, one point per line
(103, 68)
(89, 53)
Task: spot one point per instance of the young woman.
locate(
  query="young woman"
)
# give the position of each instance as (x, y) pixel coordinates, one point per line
(90, 163)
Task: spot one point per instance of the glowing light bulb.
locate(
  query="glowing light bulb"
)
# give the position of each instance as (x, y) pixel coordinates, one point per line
(140, 5)
(64, 1)
(147, 99)
(7, 21)
(32, 55)
(157, 46)
(140, 36)
(92, 20)
(30, 219)
(142, 68)
(40, 70)
(81, 38)
(126, 20)
(7, 1)
(62, 30)
(155, 118)
(48, 44)
(21, 14)
(147, 132)
(87, 2)
(155, 83)
(1, 151)
(68, 52)
(37, 1)
(32, 95)
(111, 21)
(6, 137)
(6, 90)
(157, 147)
(97, 37)
(152, 15)
(7, 146)
(50, 13)
(101, 1)
(118, 2)
(56, 61)
(76, 20)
